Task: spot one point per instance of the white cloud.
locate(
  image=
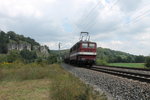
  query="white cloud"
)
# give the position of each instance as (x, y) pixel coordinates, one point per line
(129, 5)
(116, 42)
(116, 25)
(16, 8)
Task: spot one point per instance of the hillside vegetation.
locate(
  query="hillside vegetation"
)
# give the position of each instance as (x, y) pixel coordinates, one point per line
(18, 48)
(113, 56)
(13, 38)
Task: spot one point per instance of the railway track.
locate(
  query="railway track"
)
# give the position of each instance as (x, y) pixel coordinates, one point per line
(118, 88)
(135, 74)
(141, 69)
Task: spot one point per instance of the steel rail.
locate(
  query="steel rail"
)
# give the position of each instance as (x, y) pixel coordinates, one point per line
(130, 75)
(142, 69)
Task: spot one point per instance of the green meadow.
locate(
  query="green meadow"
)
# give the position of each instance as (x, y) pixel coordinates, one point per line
(132, 65)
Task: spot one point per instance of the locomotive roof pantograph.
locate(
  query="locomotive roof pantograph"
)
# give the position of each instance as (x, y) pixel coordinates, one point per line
(84, 36)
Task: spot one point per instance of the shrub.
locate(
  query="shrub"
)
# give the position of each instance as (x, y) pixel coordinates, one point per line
(147, 63)
(101, 62)
(3, 42)
(28, 56)
(52, 59)
(39, 60)
(13, 56)
(3, 58)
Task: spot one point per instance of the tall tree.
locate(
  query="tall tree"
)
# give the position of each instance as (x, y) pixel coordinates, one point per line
(147, 63)
(3, 42)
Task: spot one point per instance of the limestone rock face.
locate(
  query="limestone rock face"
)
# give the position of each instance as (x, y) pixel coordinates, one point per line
(22, 46)
(44, 50)
(36, 48)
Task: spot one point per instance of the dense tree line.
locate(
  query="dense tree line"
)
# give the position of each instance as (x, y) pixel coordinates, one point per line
(27, 56)
(112, 56)
(3, 42)
(13, 36)
(147, 62)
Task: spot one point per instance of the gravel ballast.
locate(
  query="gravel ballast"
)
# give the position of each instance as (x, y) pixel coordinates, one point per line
(115, 87)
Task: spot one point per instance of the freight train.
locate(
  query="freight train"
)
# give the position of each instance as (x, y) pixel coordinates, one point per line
(82, 53)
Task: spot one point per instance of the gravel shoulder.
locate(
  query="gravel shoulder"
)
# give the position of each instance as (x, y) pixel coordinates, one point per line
(116, 88)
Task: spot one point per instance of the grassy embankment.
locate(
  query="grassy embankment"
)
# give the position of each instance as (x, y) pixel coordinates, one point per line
(132, 65)
(42, 82)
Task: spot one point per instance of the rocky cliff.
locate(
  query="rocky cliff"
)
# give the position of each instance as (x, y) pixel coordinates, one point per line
(12, 41)
(27, 46)
(20, 46)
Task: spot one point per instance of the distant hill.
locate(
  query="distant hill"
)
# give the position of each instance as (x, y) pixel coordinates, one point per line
(12, 41)
(62, 53)
(110, 56)
(118, 56)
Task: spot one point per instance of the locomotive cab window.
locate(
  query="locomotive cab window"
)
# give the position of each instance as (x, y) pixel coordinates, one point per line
(84, 45)
(91, 45)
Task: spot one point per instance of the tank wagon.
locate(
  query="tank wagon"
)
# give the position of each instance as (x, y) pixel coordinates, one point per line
(83, 52)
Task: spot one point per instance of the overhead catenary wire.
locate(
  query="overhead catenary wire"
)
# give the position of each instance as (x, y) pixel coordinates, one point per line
(91, 26)
(83, 22)
(90, 14)
(133, 21)
(88, 24)
(137, 18)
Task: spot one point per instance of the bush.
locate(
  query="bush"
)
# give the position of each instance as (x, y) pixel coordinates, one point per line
(52, 59)
(3, 42)
(147, 63)
(101, 62)
(13, 56)
(39, 60)
(28, 56)
(3, 58)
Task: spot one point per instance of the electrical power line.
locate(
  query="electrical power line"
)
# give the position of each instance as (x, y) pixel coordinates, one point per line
(88, 15)
(87, 24)
(137, 18)
(90, 26)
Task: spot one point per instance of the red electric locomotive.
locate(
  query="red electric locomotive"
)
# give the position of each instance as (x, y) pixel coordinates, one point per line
(83, 52)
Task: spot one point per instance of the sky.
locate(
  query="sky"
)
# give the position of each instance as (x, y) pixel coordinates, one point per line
(122, 25)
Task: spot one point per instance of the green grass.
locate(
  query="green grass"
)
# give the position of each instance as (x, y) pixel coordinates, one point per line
(25, 90)
(132, 65)
(42, 82)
